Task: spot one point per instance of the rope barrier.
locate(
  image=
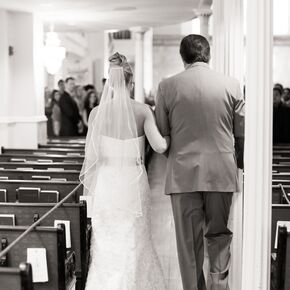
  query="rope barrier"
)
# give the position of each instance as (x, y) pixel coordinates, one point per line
(284, 193)
(30, 228)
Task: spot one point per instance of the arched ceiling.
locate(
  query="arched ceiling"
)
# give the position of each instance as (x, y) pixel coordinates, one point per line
(96, 15)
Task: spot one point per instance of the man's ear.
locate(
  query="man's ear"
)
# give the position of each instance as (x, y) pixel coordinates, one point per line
(184, 63)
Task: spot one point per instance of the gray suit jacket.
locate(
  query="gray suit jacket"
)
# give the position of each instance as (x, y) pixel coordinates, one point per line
(203, 112)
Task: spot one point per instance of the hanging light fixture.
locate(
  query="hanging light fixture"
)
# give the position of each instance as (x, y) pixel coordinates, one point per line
(54, 54)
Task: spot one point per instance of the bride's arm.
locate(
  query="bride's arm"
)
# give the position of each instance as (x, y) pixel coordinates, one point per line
(159, 143)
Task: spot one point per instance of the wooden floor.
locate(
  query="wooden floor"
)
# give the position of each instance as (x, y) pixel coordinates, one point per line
(163, 224)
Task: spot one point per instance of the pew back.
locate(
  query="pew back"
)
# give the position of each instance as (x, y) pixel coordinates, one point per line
(69, 175)
(63, 188)
(57, 151)
(40, 157)
(52, 239)
(280, 212)
(16, 278)
(41, 165)
(76, 213)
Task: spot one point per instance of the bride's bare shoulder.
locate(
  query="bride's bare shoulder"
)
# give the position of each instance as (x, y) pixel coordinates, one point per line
(140, 109)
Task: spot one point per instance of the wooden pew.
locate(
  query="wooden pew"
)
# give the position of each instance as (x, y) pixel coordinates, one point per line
(79, 141)
(281, 146)
(41, 165)
(283, 167)
(63, 146)
(76, 213)
(281, 176)
(53, 240)
(280, 159)
(57, 151)
(282, 263)
(41, 158)
(16, 278)
(62, 187)
(284, 153)
(280, 212)
(277, 196)
(69, 175)
(280, 181)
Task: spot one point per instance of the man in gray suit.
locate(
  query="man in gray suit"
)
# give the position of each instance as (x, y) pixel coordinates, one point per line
(203, 112)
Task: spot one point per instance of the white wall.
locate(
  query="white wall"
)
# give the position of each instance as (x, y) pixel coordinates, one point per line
(281, 65)
(4, 68)
(22, 120)
(21, 69)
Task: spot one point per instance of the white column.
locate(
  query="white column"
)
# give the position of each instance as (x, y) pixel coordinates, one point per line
(204, 23)
(108, 51)
(22, 121)
(148, 61)
(4, 58)
(227, 58)
(228, 34)
(139, 64)
(258, 150)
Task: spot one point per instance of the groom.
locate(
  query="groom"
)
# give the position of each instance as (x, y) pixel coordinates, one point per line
(203, 112)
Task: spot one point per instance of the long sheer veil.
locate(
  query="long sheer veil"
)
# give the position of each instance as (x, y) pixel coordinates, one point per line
(114, 119)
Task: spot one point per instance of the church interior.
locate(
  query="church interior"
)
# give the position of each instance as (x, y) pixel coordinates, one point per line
(49, 47)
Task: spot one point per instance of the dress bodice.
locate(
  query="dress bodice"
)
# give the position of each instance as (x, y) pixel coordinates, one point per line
(115, 148)
(122, 251)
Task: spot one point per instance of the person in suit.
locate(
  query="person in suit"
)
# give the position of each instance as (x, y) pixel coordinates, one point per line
(285, 116)
(70, 116)
(277, 115)
(203, 112)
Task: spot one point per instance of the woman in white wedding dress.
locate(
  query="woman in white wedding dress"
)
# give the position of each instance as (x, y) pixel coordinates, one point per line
(122, 253)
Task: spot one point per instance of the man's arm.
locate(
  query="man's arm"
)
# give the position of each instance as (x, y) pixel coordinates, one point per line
(161, 113)
(239, 126)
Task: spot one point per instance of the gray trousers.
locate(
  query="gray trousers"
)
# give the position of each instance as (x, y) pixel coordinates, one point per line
(193, 211)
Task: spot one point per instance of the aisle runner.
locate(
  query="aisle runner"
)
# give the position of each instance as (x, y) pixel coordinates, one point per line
(163, 224)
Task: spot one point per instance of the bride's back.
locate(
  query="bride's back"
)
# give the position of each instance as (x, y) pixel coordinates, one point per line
(139, 110)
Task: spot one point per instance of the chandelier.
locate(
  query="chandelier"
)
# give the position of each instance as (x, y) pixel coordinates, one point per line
(54, 54)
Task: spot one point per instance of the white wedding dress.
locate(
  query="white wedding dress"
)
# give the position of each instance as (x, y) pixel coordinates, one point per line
(122, 252)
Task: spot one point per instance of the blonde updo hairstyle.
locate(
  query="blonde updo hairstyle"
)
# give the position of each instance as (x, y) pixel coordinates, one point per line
(119, 60)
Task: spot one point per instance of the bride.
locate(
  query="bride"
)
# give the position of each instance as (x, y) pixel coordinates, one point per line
(113, 174)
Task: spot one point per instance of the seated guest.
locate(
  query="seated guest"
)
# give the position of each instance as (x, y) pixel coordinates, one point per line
(56, 113)
(279, 86)
(70, 116)
(285, 115)
(87, 89)
(91, 101)
(48, 113)
(277, 115)
(286, 95)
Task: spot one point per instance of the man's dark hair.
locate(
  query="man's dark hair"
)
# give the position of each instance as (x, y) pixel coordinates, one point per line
(60, 82)
(195, 48)
(69, 79)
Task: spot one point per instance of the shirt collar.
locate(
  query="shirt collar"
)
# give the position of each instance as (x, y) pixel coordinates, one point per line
(199, 63)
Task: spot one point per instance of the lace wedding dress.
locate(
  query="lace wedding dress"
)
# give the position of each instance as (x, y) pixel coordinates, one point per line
(114, 176)
(122, 252)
